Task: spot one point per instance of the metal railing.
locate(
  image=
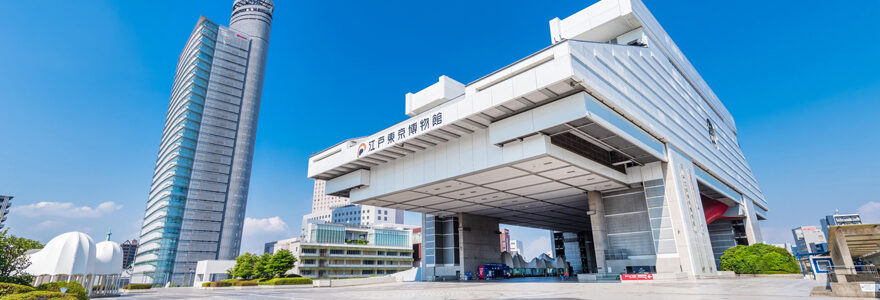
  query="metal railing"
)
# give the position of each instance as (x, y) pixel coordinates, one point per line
(863, 273)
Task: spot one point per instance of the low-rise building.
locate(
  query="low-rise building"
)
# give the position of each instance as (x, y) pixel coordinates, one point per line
(212, 270)
(282, 244)
(343, 251)
(809, 239)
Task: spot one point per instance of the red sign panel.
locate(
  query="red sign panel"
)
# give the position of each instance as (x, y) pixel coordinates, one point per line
(238, 35)
(636, 276)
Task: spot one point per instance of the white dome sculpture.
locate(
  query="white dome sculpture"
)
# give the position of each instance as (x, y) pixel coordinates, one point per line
(108, 258)
(519, 262)
(540, 263)
(69, 253)
(507, 259)
(560, 263)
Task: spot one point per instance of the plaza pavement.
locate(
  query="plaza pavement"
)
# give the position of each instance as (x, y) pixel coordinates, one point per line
(524, 288)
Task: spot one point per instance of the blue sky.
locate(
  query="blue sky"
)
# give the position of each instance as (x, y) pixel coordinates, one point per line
(84, 87)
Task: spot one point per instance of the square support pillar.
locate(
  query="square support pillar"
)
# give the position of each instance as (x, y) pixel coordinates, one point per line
(688, 219)
(753, 232)
(597, 222)
(478, 242)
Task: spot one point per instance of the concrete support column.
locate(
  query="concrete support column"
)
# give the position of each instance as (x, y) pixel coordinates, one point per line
(597, 222)
(692, 240)
(478, 242)
(840, 254)
(753, 232)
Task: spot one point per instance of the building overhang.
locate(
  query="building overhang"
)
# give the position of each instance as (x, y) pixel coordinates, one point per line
(535, 184)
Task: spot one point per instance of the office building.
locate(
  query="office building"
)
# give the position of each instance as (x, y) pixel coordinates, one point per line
(504, 238)
(273, 247)
(197, 201)
(129, 249)
(343, 251)
(322, 202)
(839, 219)
(788, 247)
(334, 209)
(809, 239)
(609, 130)
(5, 203)
(576, 249)
(516, 247)
(417, 246)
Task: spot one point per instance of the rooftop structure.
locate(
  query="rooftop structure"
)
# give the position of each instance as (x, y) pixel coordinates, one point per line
(839, 219)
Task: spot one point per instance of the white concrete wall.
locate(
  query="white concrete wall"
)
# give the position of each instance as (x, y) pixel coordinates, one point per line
(205, 268)
(642, 85)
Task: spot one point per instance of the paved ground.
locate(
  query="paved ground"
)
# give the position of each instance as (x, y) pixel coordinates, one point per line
(741, 288)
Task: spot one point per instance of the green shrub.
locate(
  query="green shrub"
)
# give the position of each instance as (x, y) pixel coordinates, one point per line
(219, 284)
(39, 295)
(758, 259)
(138, 286)
(246, 283)
(291, 276)
(287, 281)
(11, 288)
(73, 288)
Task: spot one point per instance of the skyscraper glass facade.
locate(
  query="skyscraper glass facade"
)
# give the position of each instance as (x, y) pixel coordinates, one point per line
(196, 205)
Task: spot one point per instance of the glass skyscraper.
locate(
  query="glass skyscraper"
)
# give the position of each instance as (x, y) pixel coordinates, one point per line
(200, 184)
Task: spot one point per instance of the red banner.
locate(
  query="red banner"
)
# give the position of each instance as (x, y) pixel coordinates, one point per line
(636, 276)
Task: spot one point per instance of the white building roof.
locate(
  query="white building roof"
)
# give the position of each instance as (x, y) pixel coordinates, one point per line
(69, 253)
(108, 258)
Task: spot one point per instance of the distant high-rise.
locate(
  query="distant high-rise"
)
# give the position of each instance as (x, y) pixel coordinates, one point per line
(335, 209)
(129, 248)
(504, 238)
(516, 247)
(5, 203)
(200, 185)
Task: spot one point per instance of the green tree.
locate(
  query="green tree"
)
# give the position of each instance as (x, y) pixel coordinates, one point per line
(244, 266)
(12, 258)
(281, 262)
(758, 259)
(261, 267)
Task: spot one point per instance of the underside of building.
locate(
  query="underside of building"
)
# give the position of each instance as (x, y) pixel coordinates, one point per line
(609, 136)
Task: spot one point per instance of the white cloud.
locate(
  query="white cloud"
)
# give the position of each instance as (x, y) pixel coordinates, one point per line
(254, 226)
(65, 210)
(870, 212)
(536, 247)
(776, 235)
(50, 225)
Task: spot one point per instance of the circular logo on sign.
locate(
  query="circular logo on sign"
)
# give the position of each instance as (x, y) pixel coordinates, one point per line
(361, 149)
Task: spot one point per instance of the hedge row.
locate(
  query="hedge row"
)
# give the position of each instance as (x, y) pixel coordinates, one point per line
(73, 288)
(39, 295)
(287, 281)
(228, 282)
(138, 286)
(11, 288)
